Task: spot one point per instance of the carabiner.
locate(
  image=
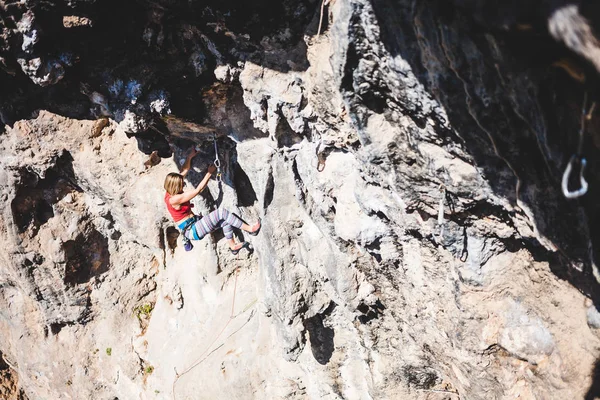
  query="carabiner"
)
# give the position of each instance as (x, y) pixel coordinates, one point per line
(565, 180)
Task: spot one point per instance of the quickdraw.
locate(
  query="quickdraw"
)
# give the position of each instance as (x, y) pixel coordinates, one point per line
(583, 185)
(321, 156)
(440, 217)
(321, 162)
(219, 176)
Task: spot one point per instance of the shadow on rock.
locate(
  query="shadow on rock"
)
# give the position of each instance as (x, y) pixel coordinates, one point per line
(320, 336)
(506, 107)
(594, 390)
(86, 256)
(243, 187)
(33, 204)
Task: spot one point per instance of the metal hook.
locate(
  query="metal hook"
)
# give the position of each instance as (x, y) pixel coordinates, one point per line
(321, 163)
(583, 185)
(216, 149)
(565, 180)
(321, 157)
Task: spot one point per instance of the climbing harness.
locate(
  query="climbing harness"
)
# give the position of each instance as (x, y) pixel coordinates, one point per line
(218, 177)
(203, 356)
(185, 226)
(578, 157)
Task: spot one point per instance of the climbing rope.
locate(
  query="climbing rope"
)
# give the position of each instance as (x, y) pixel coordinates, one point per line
(583, 185)
(202, 356)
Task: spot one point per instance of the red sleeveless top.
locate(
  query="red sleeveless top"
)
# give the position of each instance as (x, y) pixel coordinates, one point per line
(184, 209)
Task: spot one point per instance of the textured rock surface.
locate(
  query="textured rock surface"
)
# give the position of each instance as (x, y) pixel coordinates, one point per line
(405, 163)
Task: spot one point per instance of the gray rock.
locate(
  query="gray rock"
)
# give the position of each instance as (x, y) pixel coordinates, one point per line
(404, 163)
(593, 317)
(525, 335)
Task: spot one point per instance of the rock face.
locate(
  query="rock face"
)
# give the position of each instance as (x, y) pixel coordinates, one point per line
(405, 158)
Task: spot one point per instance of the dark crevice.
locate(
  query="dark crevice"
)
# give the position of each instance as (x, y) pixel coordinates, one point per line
(594, 389)
(172, 234)
(352, 58)
(55, 328)
(3, 364)
(86, 256)
(269, 190)
(300, 188)
(477, 211)
(370, 312)
(35, 196)
(150, 140)
(373, 248)
(414, 233)
(421, 377)
(382, 216)
(243, 187)
(321, 337)
(285, 135)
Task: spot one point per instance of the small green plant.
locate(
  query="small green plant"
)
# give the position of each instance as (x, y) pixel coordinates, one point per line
(109, 351)
(157, 391)
(143, 311)
(149, 369)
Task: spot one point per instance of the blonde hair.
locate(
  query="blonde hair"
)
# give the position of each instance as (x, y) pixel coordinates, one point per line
(174, 183)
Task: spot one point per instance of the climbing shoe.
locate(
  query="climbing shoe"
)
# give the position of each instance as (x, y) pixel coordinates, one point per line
(258, 230)
(234, 252)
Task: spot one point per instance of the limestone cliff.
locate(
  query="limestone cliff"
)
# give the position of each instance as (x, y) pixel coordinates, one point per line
(405, 158)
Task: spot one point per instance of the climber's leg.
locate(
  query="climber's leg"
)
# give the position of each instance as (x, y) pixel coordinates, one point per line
(220, 218)
(201, 227)
(233, 220)
(228, 221)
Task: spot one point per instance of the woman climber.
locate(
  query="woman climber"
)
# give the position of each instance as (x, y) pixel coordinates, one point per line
(192, 226)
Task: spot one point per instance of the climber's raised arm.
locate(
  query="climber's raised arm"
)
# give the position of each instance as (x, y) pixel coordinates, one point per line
(187, 196)
(188, 162)
(202, 185)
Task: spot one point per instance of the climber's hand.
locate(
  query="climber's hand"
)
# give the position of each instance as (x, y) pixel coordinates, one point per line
(212, 169)
(185, 168)
(193, 152)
